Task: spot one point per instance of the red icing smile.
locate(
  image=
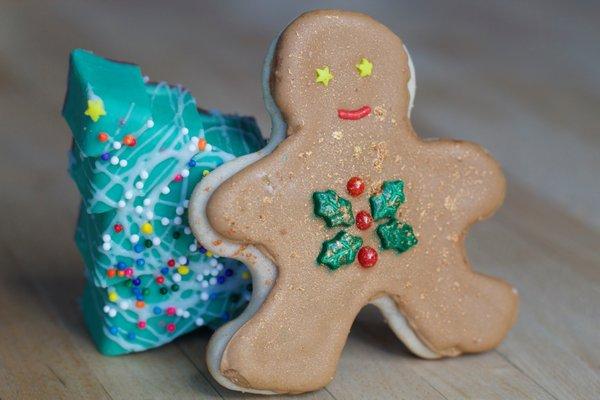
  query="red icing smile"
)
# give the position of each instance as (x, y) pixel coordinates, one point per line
(354, 114)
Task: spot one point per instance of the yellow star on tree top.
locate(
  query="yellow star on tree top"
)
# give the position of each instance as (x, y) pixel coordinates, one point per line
(365, 67)
(95, 109)
(324, 76)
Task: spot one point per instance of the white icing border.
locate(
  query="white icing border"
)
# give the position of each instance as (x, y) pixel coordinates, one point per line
(263, 270)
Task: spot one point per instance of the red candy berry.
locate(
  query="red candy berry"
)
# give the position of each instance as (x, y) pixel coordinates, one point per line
(111, 272)
(129, 140)
(363, 220)
(355, 186)
(367, 256)
(118, 228)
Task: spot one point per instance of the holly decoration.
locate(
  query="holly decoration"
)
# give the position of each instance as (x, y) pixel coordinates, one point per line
(344, 248)
(385, 204)
(340, 250)
(335, 210)
(396, 235)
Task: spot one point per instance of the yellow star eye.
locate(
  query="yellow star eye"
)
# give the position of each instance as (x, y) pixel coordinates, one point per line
(364, 67)
(323, 76)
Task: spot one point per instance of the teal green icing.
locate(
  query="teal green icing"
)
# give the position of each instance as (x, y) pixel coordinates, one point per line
(215, 289)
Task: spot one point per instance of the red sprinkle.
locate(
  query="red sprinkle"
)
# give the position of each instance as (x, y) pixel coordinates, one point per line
(367, 256)
(128, 272)
(102, 137)
(171, 310)
(142, 324)
(160, 280)
(364, 220)
(354, 114)
(178, 178)
(129, 140)
(111, 272)
(355, 186)
(118, 228)
(171, 327)
(171, 263)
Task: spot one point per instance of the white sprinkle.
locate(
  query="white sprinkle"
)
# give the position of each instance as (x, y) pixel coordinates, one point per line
(106, 237)
(114, 160)
(184, 131)
(182, 260)
(139, 185)
(179, 211)
(106, 246)
(144, 174)
(193, 247)
(206, 271)
(164, 221)
(187, 230)
(213, 262)
(192, 147)
(165, 190)
(112, 313)
(149, 214)
(124, 305)
(199, 321)
(219, 267)
(156, 241)
(179, 312)
(116, 145)
(121, 204)
(134, 239)
(199, 278)
(123, 163)
(139, 209)
(186, 314)
(186, 203)
(204, 296)
(129, 195)
(212, 281)
(214, 272)
(147, 202)
(146, 78)
(106, 309)
(194, 140)
(149, 123)
(208, 148)
(185, 172)
(177, 220)
(204, 284)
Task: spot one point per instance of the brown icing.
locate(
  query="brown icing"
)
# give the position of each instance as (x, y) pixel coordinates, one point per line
(293, 342)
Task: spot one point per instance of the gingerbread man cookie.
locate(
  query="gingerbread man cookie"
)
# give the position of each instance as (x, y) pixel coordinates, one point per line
(348, 206)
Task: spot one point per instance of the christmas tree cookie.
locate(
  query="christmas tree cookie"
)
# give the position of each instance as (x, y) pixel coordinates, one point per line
(138, 151)
(344, 207)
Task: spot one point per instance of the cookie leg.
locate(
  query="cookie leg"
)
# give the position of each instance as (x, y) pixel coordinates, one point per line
(458, 311)
(285, 347)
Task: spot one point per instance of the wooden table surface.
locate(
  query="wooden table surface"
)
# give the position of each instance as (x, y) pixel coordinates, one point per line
(520, 78)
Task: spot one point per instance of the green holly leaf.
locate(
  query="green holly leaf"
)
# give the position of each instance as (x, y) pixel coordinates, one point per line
(396, 235)
(340, 250)
(385, 204)
(335, 210)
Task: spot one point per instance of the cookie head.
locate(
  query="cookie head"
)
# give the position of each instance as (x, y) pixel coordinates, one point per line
(339, 67)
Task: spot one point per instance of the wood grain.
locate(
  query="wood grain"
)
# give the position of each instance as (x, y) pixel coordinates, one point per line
(520, 78)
